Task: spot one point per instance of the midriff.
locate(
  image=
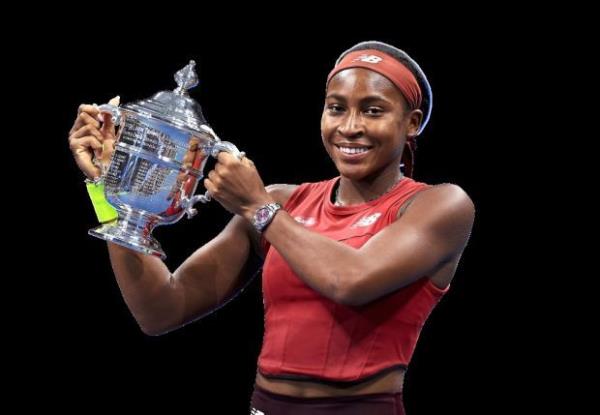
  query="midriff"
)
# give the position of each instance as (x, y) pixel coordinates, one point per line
(388, 382)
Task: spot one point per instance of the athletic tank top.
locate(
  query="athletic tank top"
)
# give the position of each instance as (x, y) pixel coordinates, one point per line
(308, 336)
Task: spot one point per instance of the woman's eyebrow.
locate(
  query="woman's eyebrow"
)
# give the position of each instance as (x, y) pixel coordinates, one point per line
(368, 98)
(372, 98)
(336, 96)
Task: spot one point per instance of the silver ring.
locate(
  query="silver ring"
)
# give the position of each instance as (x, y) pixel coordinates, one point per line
(241, 155)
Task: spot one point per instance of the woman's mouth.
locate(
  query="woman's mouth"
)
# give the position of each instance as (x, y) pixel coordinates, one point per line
(353, 153)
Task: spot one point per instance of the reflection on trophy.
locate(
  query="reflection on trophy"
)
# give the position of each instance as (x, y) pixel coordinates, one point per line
(160, 152)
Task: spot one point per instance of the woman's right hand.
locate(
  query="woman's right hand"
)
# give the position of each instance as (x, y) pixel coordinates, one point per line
(92, 139)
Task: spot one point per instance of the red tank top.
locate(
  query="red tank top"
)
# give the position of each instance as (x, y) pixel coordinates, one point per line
(310, 336)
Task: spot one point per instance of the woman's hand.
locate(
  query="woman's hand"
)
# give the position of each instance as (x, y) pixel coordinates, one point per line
(236, 185)
(92, 139)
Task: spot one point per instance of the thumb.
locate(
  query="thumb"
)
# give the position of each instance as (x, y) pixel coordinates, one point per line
(108, 126)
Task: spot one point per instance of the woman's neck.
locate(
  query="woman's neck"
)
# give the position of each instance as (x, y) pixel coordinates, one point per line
(351, 192)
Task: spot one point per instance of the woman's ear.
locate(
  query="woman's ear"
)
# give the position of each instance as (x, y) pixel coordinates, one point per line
(415, 118)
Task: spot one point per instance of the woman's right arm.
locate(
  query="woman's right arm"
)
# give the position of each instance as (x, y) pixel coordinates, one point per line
(210, 277)
(160, 300)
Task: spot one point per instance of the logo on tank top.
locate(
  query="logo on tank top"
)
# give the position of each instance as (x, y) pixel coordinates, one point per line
(305, 221)
(366, 220)
(368, 59)
(256, 412)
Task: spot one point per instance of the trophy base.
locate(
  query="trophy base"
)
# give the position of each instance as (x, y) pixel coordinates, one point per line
(120, 233)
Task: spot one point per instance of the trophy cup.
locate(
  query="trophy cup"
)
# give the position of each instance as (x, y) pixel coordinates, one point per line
(160, 152)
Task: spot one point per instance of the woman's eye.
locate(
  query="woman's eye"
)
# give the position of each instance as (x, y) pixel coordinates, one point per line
(374, 111)
(335, 108)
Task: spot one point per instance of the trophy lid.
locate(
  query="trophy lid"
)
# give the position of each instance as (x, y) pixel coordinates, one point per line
(175, 107)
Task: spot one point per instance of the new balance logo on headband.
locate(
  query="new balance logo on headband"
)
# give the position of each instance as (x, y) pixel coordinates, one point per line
(368, 59)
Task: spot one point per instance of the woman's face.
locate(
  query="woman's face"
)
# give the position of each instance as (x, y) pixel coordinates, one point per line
(365, 123)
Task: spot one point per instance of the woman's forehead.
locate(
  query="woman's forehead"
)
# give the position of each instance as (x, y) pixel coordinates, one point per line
(361, 81)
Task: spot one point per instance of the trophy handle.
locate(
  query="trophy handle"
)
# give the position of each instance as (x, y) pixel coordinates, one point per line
(112, 110)
(214, 150)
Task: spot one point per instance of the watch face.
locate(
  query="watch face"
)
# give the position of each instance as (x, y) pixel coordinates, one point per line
(262, 215)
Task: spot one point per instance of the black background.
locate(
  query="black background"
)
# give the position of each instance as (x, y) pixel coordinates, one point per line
(264, 93)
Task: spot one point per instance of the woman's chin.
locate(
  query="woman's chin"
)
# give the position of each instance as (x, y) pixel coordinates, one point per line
(352, 173)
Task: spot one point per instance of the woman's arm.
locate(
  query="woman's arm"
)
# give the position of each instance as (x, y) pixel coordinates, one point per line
(162, 301)
(433, 231)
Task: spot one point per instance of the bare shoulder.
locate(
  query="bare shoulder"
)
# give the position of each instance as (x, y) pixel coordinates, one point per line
(448, 203)
(445, 210)
(281, 192)
(442, 217)
(451, 197)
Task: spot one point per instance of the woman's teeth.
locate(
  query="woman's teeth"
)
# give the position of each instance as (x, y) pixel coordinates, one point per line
(353, 150)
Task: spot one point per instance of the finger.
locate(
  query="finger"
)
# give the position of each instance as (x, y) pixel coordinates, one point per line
(213, 176)
(107, 118)
(88, 168)
(90, 110)
(247, 161)
(108, 126)
(225, 158)
(88, 130)
(88, 148)
(220, 169)
(83, 156)
(89, 120)
(88, 143)
(208, 185)
(108, 148)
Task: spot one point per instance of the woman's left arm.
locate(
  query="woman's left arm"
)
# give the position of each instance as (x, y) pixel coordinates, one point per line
(433, 231)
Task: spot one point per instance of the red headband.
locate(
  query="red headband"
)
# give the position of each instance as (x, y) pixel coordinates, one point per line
(387, 66)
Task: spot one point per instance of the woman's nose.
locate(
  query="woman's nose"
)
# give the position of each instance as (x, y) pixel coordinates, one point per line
(351, 126)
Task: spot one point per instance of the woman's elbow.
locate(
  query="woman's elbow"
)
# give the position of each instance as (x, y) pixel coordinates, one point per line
(348, 292)
(152, 331)
(157, 328)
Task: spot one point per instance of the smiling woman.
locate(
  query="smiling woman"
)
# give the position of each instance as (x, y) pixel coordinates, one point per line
(353, 265)
(364, 128)
(389, 97)
(346, 301)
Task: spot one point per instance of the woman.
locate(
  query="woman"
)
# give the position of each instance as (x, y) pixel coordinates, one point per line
(353, 265)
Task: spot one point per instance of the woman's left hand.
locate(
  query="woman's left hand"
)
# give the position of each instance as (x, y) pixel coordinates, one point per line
(236, 185)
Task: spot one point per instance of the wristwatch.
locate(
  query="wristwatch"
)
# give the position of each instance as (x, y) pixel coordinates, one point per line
(264, 215)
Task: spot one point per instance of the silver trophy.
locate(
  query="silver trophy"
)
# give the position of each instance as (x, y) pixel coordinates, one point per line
(160, 152)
